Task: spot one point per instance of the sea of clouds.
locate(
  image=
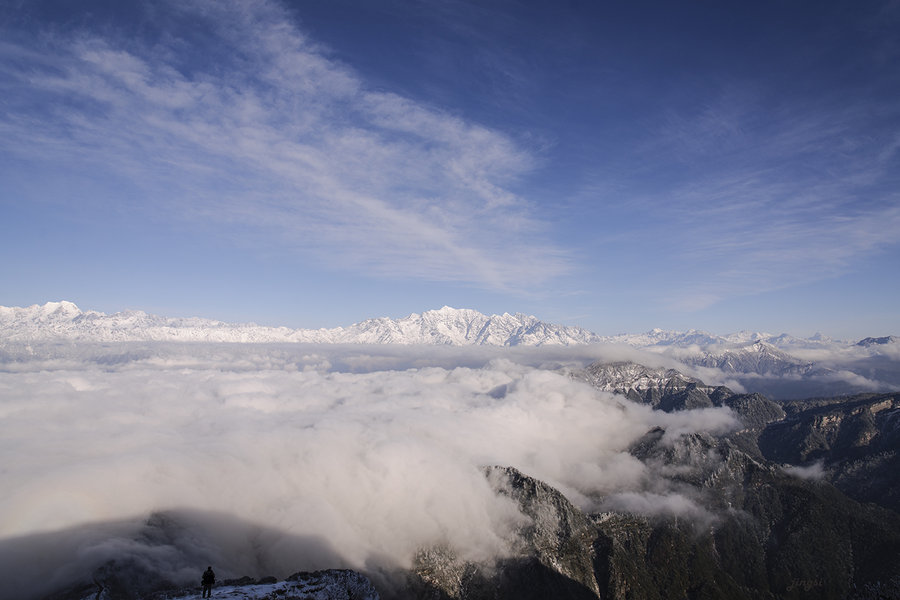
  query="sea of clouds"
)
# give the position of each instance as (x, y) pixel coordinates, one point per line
(269, 459)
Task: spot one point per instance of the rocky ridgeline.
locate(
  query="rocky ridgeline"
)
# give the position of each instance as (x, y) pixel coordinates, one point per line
(669, 390)
(648, 385)
(552, 555)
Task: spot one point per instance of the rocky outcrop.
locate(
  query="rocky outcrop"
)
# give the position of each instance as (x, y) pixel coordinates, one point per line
(665, 389)
(557, 534)
(551, 553)
(670, 390)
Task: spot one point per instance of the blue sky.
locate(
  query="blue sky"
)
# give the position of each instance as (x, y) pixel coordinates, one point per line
(618, 166)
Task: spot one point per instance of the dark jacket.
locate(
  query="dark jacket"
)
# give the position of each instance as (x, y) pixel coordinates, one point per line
(209, 577)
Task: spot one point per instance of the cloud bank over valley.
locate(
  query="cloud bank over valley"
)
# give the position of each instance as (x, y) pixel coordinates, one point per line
(378, 463)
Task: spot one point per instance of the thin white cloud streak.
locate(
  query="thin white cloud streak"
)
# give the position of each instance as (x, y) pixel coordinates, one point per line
(659, 505)
(838, 357)
(265, 129)
(377, 463)
(814, 472)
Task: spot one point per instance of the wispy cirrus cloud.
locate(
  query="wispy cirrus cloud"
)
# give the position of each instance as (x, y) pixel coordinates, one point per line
(767, 198)
(250, 122)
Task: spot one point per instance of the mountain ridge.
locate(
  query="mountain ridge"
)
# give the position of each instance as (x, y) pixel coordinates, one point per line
(444, 326)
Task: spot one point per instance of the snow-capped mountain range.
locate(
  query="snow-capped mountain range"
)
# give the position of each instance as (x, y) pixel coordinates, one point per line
(445, 326)
(779, 365)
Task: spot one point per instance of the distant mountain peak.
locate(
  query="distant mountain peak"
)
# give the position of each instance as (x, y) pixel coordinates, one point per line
(63, 306)
(878, 341)
(449, 310)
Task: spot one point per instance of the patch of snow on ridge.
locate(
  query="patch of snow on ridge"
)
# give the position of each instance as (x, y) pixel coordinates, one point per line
(334, 584)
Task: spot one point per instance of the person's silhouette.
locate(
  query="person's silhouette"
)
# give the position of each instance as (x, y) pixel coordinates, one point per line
(209, 578)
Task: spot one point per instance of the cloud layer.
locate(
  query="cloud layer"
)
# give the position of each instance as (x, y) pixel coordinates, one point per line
(374, 464)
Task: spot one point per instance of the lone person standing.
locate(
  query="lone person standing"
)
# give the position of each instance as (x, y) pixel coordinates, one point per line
(209, 578)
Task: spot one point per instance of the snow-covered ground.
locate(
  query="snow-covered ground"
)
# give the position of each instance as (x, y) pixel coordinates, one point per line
(320, 585)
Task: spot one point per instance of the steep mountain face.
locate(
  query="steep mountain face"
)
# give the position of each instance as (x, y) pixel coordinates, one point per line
(671, 390)
(552, 553)
(767, 535)
(783, 538)
(666, 389)
(759, 357)
(854, 442)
